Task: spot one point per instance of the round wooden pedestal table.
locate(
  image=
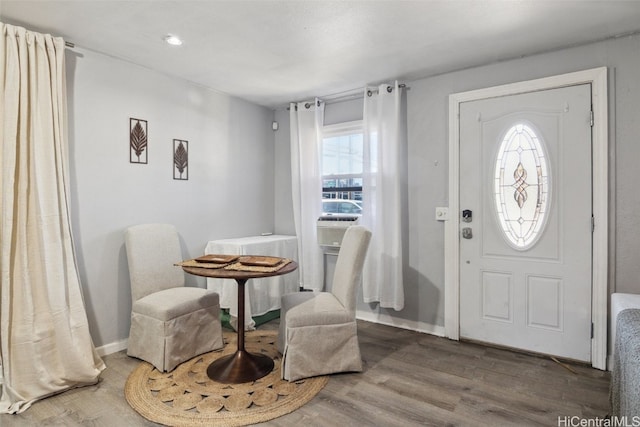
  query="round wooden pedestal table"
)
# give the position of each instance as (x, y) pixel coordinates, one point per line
(241, 366)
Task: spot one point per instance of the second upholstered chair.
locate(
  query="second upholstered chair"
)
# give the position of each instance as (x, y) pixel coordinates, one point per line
(170, 323)
(318, 331)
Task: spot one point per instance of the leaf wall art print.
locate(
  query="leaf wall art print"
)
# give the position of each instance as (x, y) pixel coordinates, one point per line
(180, 159)
(138, 134)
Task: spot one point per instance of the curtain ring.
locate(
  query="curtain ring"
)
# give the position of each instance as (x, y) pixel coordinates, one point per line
(389, 89)
(307, 105)
(369, 93)
(318, 102)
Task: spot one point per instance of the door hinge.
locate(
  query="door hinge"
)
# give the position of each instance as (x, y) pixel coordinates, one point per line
(593, 224)
(591, 118)
(591, 330)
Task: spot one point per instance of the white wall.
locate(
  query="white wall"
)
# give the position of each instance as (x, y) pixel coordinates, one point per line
(428, 168)
(230, 191)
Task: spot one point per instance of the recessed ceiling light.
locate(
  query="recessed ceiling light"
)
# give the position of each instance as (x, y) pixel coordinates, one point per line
(173, 40)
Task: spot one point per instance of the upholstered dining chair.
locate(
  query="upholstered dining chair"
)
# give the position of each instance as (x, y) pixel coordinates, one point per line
(318, 331)
(170, 323)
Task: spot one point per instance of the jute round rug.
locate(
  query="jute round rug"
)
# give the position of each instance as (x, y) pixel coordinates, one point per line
(187, 397)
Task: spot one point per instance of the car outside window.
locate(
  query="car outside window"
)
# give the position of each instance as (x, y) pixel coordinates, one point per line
(334, 206)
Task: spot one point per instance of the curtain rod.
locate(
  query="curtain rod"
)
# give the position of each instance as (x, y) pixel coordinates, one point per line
(66, 43)
(355, 93)
(350, 94)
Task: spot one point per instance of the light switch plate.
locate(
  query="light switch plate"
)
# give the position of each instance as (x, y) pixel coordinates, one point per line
(442, 213)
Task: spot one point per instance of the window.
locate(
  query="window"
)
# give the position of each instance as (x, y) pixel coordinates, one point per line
(521, 186)
(342, 156)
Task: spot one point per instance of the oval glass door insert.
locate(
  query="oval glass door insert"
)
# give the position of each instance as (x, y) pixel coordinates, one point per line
(521, 186)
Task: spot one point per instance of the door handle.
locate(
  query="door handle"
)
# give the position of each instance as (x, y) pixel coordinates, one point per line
(467, 233)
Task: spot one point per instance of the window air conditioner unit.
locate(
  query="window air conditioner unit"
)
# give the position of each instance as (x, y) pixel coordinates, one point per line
(331, 229)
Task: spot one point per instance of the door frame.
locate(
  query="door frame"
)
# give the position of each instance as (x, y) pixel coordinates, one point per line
(597, 78)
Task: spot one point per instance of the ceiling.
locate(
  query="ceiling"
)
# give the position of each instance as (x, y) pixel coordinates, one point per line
(272, 52)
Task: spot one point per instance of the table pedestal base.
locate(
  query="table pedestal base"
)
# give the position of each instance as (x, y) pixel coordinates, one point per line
(240, 367)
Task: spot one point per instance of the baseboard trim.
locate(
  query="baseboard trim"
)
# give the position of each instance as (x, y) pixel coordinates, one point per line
(113, 347)
(383, 319)
(412, 325)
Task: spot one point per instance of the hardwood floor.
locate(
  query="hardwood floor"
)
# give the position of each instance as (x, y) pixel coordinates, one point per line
(409, 379)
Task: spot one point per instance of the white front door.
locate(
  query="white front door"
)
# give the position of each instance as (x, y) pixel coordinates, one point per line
(526, 250)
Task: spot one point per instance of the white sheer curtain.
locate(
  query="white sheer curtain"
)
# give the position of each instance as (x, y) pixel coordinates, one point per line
(45, 346)
(306, 128)
(382, 195)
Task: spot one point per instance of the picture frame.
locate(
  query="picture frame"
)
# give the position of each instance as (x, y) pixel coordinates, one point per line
(138, 140)
(180, 159)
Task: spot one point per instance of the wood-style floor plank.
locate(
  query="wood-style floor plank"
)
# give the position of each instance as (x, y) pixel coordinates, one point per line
(409, 379)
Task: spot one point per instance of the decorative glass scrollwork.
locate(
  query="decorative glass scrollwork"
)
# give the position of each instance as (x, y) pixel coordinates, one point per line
(521, 197)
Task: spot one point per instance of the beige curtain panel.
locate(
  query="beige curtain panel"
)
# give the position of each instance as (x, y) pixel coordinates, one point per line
(45, 346)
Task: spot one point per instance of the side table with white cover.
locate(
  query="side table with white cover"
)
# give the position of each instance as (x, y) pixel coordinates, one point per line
(261, 295)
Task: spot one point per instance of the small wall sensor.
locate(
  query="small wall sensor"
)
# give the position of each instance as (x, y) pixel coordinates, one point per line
(274, 125)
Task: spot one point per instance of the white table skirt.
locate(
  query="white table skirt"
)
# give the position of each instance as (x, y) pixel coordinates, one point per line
(261, 295)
